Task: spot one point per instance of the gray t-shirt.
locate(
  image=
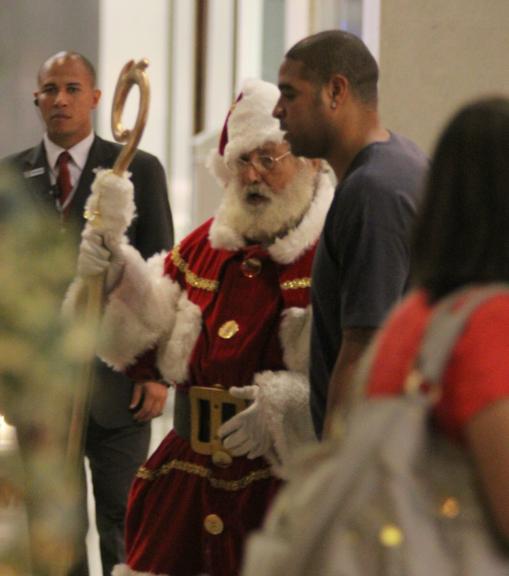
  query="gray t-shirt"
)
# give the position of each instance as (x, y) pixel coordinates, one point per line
(361, 267)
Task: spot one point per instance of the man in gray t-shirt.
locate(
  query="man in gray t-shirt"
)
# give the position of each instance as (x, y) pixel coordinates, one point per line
(328, 108)
(361, 267)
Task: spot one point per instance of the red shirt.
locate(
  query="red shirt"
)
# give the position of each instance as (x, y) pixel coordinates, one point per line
(478, 371)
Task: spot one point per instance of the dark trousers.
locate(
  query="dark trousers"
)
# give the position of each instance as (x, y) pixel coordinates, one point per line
(114, 455)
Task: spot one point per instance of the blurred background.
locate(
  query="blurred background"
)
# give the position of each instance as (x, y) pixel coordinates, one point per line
(433, 55)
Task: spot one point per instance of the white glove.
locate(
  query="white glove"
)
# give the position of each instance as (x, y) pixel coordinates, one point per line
(247, 432)
(99, 254)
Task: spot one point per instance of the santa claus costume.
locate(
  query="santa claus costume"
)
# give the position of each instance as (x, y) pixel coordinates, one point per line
(215, 313)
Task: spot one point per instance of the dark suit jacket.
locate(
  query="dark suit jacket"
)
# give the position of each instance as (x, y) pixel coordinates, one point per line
(151, 232)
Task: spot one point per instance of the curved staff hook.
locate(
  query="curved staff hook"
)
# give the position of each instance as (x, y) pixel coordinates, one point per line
(130, 74)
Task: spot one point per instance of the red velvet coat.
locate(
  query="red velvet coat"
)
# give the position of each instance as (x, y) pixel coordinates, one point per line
(177, 489)
(187, 516)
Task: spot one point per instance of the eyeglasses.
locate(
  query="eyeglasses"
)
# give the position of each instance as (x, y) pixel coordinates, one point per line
(262, 164)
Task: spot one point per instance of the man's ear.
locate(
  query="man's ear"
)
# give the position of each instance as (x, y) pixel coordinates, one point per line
(96, 97)
(337, 89)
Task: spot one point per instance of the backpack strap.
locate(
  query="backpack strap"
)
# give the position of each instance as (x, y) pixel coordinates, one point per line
(440, 336)
(445, 326)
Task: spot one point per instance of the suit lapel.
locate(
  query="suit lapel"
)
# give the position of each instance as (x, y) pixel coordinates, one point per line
(36, 172)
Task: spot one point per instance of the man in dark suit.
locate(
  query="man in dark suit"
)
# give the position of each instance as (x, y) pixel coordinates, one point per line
(118, 429)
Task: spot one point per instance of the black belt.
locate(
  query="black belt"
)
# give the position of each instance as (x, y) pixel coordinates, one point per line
(182, 415)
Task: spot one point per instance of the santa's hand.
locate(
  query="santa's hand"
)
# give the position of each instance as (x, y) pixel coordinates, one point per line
(247, 432)
(100, 255)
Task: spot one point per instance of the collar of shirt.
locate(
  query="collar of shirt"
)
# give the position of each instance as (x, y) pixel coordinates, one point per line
(79, 154)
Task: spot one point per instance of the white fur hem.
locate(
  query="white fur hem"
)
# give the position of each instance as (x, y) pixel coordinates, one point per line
(284, 400)
(139, 311)
(174, 355)
(125, 570)
(287, 249)
(295, 334)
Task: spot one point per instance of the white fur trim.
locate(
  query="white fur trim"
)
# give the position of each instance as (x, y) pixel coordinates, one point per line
(222, 236)
(139, 311)
(217, 167)
(125, 570)
(174, 355)
(295, 334)
(251, 123)
(284, 401)
(287, 249)
(112, 198)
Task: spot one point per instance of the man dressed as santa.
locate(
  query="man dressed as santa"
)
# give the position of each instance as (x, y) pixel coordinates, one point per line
(224, 318)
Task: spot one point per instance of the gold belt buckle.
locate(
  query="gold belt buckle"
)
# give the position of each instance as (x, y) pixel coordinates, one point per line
(221, 406)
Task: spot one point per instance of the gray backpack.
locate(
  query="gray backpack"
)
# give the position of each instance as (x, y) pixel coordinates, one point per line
(392, 496)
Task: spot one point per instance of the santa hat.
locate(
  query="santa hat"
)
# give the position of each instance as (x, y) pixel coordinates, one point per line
(248, 125)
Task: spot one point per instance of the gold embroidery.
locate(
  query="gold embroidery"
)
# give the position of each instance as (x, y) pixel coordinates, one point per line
(213, 285)
(191, 278)
(197, 470)
(295, 284)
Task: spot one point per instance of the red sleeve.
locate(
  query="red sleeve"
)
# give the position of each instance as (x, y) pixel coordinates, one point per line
(478, 373)
(144, 368)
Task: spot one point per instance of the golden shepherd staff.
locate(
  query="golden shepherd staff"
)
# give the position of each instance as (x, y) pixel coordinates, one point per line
(132, 73)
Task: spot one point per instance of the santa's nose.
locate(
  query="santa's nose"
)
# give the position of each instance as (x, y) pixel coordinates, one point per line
(251, 174)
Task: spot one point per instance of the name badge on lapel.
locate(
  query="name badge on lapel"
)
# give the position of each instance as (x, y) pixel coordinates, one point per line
(35, 172)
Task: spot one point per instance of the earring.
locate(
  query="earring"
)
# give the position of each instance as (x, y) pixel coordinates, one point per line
(333, 104)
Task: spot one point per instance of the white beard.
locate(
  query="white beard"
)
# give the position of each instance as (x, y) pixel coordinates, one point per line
(275, 215)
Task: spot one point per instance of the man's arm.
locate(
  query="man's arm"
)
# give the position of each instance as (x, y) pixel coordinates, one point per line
(354, 343)
(154, 225)
(486, 435)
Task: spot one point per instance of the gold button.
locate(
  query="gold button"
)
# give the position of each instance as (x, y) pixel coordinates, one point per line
(251, 267)
(390, 535)
(228, 329)
(450, 507)
(221, 459)
(213, 524)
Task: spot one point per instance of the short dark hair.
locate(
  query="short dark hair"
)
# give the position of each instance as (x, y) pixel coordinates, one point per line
(339, 52)
(70, 55)
(462, 232)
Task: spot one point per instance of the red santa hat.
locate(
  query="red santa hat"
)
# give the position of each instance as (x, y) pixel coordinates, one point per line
(248, 125)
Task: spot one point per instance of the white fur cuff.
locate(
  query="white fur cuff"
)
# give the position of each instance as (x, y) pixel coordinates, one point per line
(139, 312)
(174, 355)
(284, 400)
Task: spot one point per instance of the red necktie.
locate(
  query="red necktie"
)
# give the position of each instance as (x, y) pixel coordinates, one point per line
(64, 177)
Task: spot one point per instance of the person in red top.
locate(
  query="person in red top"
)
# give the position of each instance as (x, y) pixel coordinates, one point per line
(225, 318)
(461, 239)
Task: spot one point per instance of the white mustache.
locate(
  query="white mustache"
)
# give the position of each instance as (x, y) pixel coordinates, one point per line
(259, 189)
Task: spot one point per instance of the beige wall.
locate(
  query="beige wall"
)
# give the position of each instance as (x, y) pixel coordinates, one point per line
(30, 31)
(435, 55)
